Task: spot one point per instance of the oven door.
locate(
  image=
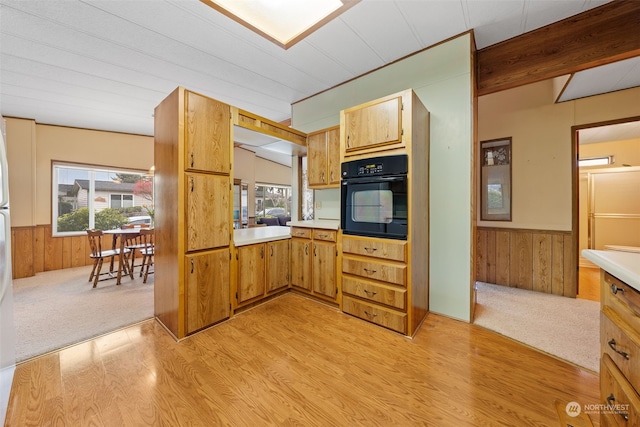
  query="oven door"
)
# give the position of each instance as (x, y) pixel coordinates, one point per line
(375, 207)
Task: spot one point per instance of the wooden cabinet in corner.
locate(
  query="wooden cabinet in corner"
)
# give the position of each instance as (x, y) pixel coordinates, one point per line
(323, 158)
(314, 262)
(262, 269)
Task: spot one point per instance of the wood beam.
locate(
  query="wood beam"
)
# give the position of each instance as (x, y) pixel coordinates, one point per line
(599, 36)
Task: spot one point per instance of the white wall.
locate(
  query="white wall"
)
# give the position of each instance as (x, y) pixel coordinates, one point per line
(441, 77)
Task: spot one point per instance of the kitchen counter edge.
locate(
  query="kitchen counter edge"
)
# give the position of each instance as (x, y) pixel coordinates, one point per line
(250, 236)
(326, 224)
(623, 265)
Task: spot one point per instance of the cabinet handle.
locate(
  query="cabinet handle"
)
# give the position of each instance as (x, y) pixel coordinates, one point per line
(262, 252)
(315, 250)
(369, 271)
(331, 176)
(612, 344)
(615, 289)
(369, 293)
(192, 184)
(306, 249)
(348, 141)
(610, 401)
(370, 315)
(271, 249)
(370, 250)
(322, 176)
(192, 265)
(192, 159)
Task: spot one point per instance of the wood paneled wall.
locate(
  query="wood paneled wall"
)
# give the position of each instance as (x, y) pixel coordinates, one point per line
(33, 250)
(537, 260)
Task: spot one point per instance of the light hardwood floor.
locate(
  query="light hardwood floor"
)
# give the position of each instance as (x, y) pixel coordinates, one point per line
(293, 361)
(589, 283)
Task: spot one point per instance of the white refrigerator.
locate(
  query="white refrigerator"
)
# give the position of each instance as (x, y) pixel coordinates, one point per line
(7, 325)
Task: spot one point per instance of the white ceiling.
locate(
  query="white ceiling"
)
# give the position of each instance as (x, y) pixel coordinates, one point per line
(106, 64)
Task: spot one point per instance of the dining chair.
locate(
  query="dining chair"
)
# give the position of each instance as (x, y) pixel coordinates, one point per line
(148, 237)
(99, 255)
(134, 243)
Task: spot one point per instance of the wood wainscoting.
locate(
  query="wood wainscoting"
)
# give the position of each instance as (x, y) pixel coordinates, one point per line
(537, 260)
(34, 250)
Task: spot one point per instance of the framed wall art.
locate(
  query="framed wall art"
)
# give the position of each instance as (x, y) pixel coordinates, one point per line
(495, 180)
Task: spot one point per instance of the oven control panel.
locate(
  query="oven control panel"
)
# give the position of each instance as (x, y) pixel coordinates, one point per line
(376, 166)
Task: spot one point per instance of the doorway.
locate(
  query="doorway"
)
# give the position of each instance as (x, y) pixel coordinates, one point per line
(606, 206)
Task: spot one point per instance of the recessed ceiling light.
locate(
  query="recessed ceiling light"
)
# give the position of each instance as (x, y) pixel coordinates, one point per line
(284, 22)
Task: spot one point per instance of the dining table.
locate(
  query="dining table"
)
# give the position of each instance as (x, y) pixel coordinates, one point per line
(120, 235)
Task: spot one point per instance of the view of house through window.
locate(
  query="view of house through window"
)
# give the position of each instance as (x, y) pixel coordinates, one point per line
(272, 201)
(88, 197)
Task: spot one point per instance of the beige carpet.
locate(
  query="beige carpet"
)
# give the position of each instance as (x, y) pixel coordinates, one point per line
(58, 308)
(567, 328)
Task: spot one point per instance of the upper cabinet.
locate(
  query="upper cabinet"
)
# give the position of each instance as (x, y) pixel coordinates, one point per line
(373, 124)
(323, 158)
(207, 130)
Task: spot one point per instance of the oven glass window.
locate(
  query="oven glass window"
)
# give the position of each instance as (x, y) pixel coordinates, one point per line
(374, 206)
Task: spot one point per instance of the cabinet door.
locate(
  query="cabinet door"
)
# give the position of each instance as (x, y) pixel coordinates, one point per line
(208, 220)
(324, 268)
(207, 134)
(333, 155)
(374, 124)
(251, 267)
(301, 263)
(277, 265)
(207, 286)
(317, 159)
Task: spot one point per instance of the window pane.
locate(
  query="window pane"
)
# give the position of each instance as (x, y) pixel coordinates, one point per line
(90, 197)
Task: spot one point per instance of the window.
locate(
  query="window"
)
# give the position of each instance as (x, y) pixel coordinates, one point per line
(495, 162)
(86, 197)
(121, 201)
(272, 200)
(307, 193)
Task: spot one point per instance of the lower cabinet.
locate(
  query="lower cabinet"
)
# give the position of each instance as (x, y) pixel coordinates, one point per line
(374, 281)
(620, 347)
(313, 262)
(207, 280)
(263, 268)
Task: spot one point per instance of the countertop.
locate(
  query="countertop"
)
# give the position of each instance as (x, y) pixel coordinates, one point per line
(623, 265)
(327, 224)
(249, 236)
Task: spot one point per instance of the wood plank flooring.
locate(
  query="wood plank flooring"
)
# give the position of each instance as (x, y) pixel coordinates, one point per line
(294, 361)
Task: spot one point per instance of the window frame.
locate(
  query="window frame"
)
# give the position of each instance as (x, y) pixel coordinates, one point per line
(92, 170)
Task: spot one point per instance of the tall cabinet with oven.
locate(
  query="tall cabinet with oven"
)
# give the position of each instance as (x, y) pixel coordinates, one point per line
(383, 280)
(193, 202)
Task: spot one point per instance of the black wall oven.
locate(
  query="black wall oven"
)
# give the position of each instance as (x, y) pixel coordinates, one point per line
(374, 197)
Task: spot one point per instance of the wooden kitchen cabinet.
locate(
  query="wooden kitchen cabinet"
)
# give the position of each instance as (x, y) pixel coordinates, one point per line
(301, 263)
(207, 216)
(207, 130)
(323, 158)
(313, 262)
(207, 286)
(251, 272)
(386, 281)
(324, 269)
(193, 218)
(373, 124)
(277, 265)
(620, 347)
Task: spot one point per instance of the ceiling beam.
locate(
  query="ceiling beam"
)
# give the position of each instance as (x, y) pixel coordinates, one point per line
(599, 36)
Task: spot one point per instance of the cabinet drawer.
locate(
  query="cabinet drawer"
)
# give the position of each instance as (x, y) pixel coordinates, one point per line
(321, 234)
(623, 299)
(305, 233)
(376, 270)
(395, 251)
(388, 295)
(622, 344)
(373, 313)
(615, 391)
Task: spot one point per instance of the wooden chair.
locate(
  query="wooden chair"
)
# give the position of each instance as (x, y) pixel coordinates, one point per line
(148, 237)
(134, 243)
(99, 255)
